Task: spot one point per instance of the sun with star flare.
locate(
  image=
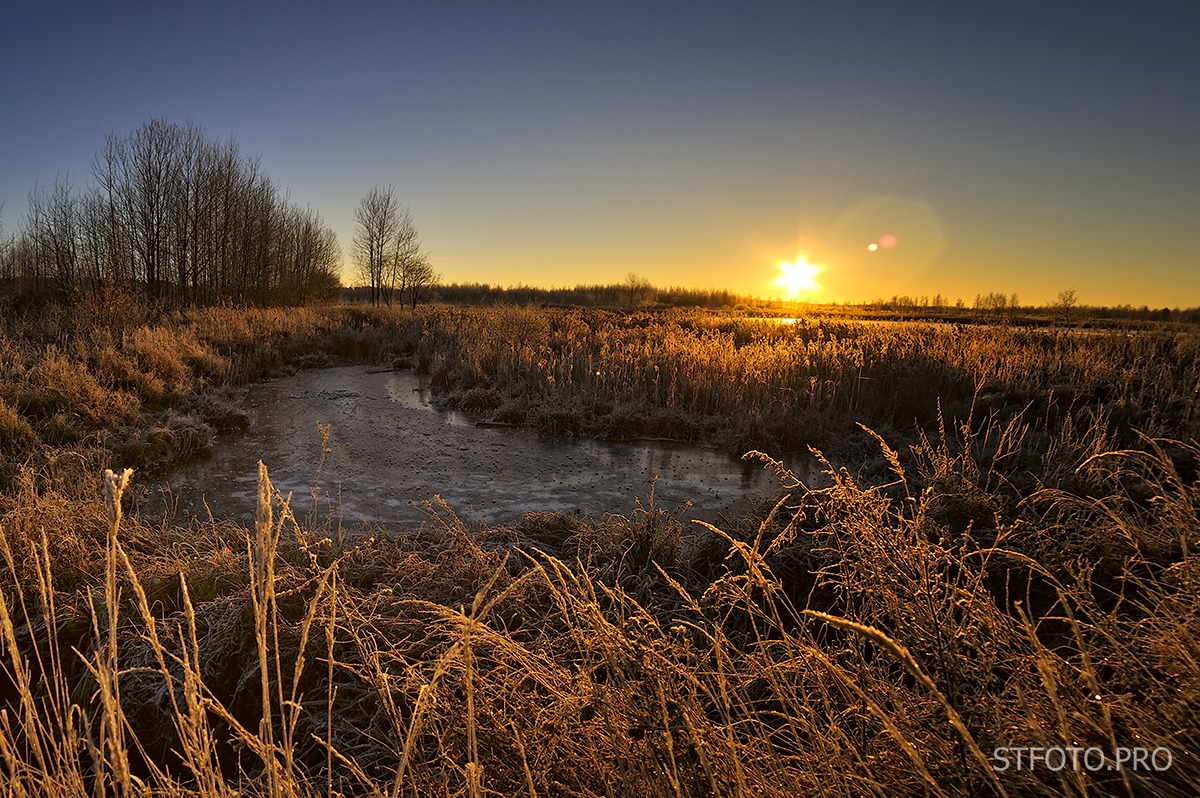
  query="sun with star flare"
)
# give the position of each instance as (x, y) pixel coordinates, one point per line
(798, 277)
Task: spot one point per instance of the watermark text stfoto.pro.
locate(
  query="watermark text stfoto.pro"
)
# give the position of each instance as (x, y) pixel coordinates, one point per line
(1078, 758)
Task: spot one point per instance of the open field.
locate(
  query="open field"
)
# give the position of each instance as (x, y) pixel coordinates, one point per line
(1003, 555)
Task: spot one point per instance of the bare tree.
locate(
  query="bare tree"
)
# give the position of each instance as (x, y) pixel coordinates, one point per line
(1064, 304)
(410, 270)
(139, 172)
(52, 224)
(7, 270)
(387, 250)
(638, 289)
(375, 240)
(418, 278)
(308, 258)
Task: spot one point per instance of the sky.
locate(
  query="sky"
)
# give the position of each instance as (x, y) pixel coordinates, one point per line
(917, 148)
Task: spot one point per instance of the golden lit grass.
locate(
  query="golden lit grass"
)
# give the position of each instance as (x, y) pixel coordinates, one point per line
(564, 656)
(734, 382)
(1024, 573)
(150, 392)
(14, 429)
(63, 389)
(747, 382)
(176, 356)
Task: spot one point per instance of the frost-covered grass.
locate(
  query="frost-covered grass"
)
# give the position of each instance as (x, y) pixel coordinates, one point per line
(736, 383)
(746, 383)
(1012, 561)
(857, 641)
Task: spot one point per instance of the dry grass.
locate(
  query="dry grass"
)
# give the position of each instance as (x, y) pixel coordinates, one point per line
(738, 383)
(549, 658)
(152, 394)
(14, 429)
(749, 383)
(1022, 572)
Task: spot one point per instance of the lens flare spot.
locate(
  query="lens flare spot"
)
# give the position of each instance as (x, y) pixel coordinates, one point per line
(888, 241)
(872, 247)
(798, 277)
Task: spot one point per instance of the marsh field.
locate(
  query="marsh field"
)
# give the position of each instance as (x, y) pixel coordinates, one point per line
(999, 553)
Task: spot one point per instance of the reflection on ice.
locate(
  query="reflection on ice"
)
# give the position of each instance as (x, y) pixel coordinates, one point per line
(389, 450)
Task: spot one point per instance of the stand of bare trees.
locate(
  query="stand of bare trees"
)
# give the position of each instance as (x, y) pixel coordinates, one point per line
(186, 219)
(387, 251)
(638, 288)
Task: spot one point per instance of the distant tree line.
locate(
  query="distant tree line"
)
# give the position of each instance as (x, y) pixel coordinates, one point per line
(637, 293)
(997, 306)
(177, 216)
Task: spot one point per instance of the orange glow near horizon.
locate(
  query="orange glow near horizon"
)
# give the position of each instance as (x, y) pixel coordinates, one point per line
(798, 277)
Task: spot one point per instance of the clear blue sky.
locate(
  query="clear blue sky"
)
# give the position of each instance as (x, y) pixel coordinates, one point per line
(1020, 147)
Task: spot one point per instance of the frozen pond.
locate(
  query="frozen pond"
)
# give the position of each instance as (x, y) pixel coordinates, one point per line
(389, 451)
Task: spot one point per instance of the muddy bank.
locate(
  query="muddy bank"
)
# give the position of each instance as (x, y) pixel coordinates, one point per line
(388, 451)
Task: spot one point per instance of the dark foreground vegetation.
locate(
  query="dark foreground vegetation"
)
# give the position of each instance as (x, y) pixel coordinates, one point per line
(1003, 556)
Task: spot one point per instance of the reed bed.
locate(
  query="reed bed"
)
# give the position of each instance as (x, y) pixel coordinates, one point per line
(1018, 568)
(746, 383)
(736, 383)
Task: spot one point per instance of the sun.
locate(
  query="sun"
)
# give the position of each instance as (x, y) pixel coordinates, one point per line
(798, 277)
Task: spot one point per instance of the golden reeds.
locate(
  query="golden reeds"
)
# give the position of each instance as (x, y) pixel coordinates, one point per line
(1013, 575)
